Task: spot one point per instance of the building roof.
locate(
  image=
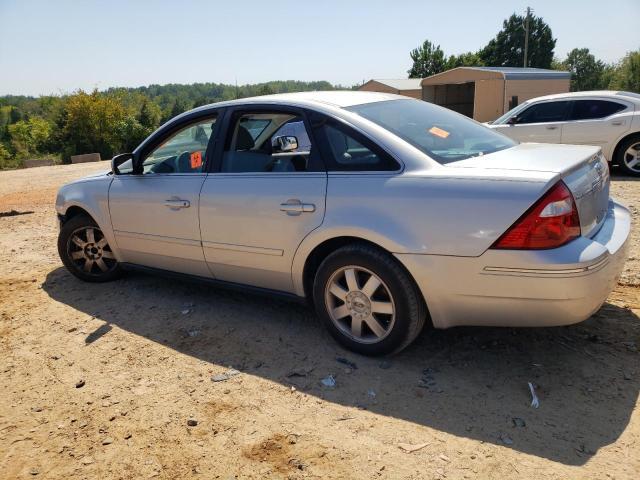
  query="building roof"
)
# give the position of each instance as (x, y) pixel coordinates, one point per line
(519, 73)
(507, 73)
(399, 83)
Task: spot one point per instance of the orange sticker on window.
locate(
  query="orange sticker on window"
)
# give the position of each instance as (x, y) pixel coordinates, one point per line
(196, 160)
(438, 132)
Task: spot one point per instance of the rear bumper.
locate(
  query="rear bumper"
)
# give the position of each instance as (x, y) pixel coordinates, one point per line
(525, 288)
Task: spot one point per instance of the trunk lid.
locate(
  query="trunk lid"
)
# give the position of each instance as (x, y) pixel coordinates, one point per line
(582, 168)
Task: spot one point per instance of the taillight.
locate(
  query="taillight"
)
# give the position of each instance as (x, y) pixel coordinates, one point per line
(551, 222)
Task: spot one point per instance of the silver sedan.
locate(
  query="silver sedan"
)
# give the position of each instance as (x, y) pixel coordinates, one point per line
(384, 212)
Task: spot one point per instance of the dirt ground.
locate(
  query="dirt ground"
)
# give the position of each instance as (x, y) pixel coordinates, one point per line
(100, 381)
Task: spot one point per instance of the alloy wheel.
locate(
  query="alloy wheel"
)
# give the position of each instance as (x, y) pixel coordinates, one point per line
(360, 304)
(89, 251)
(631, 157)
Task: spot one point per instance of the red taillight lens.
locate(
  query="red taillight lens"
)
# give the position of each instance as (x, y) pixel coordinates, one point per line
(551, 222)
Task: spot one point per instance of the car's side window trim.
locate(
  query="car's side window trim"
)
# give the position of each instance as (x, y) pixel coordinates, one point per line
(317, 122)
(231, 114)
(165, 132)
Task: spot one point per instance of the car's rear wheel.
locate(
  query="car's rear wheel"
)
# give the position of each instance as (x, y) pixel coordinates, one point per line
(367, 300)
(85, 252)
(629, 156)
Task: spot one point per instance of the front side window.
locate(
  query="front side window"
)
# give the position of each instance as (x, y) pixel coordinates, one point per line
(182, 152)
(263, 142)
(543, 113)
(592, 109)
(442, 134)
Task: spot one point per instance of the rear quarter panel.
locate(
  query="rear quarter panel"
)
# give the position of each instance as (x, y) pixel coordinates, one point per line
(435, 213)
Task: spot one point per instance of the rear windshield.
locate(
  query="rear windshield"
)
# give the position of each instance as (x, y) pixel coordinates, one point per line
(444, 135)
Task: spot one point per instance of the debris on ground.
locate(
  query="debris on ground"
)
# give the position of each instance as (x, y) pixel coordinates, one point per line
(410, 448)
(347, 362)
(371, 393)
(384, 365)
(535, 403)
(221, 377)
(328, 382)
(192, 422)
(80, 383)
(518, 422)
(506, 439)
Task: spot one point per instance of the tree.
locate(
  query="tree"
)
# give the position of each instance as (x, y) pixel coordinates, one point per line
(150, 115)
(507, 48)
(586, 71)
(29, 136)
(627, 75)
(468, 59)
(266, 90)
(428, 59)
(91, 124)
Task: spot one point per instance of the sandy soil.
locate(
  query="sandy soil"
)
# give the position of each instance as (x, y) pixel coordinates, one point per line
(100, 381)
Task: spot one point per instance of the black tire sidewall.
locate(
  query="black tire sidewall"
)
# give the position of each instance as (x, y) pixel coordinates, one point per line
(384, 269)
(66, 231)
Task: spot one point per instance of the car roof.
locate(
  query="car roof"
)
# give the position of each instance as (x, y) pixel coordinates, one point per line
(335, 98)
(591, 93)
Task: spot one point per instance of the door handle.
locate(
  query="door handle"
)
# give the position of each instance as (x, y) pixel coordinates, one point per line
(552, 127)
(617, 122)
(177, 203)
(294, 206)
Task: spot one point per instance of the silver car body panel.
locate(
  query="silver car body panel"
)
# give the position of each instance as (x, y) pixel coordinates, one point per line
(439, 221)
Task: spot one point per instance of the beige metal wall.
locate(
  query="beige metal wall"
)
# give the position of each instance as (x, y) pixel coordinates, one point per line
(527, 89)
(373, 86)
(488, 100)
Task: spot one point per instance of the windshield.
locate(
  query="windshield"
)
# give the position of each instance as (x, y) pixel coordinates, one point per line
(444, 135)
(509, 114)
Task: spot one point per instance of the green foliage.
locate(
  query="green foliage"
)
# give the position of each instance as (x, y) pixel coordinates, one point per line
(627, 75)
(29, 137)
(468, 59)
(586, 71)
(109, 122)
(428, 59)
(507, 48)
(7, 160)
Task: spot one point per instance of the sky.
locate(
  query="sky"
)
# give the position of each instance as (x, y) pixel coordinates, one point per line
(59, 46)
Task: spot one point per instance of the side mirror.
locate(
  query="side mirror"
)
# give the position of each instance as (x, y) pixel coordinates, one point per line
(286, 143)
(120, 159)
(513, 120)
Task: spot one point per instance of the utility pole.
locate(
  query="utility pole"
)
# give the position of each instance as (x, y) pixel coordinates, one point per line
(526, 37)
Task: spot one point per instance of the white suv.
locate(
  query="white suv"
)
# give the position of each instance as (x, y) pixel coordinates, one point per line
(608, 119)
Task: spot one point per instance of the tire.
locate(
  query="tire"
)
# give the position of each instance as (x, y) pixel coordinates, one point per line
(395, 308)
(625, 158)
(77, 250)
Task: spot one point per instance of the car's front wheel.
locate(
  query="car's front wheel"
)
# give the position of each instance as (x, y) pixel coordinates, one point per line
(85, 252)
(368, 301)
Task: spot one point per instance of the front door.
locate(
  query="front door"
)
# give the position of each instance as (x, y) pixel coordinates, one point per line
(266, 195)
(540, 123)
(154, 213)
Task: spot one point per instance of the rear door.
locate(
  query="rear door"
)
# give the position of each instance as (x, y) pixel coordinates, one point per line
(597, 122)
(260, 201)
(542, 122)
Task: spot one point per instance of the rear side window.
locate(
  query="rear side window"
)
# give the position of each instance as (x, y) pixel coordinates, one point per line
(346, 150)
(593, 109)
(544, 112)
